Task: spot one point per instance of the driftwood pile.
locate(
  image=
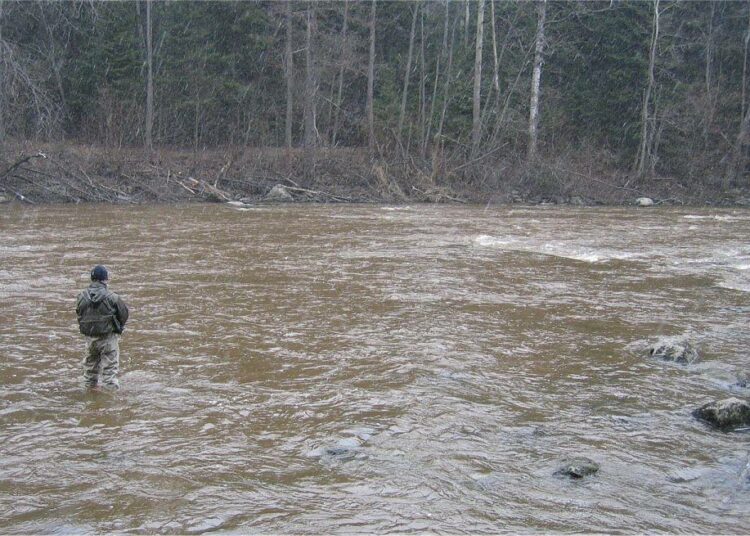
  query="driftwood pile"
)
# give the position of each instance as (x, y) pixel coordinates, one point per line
(67, 177)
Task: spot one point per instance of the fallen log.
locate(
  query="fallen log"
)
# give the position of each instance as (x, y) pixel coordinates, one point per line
(204, 187)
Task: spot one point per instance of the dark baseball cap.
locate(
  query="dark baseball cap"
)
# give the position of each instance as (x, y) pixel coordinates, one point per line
(99, 273)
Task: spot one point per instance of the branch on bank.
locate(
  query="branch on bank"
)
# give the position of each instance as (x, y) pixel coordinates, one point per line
(20, 162)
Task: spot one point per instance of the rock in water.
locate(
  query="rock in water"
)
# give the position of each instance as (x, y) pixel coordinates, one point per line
(577, 468)
(725, 414)
(677, 350)
(279, 193)
(743, 381)
(644, 202)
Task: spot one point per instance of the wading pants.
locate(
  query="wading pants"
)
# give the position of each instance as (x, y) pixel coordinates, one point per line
(103, 357)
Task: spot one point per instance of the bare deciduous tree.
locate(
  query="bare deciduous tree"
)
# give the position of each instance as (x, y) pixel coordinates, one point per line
(438, 64)
(447, 83)
(744, 69)
(149, 79)
(311, 82)
(371, 85)
(289, 76)
(476, 125)
(536, 79)
(644, 152)
(407, 74)
(2, 75)
(340, 93)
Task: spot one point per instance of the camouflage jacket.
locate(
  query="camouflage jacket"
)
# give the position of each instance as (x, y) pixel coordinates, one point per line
(100, 311)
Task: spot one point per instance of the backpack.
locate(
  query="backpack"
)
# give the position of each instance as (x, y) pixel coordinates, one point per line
(96, 319)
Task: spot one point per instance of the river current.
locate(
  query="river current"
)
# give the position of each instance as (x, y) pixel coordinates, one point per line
(360, 369)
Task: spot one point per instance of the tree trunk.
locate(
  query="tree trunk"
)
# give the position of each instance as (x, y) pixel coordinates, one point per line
(744, 70)
(3, 74)
(709, 109)
(447, 83)
(493, 105)
(289, 75)
(467, 19)
(643, 152)
(476, 129)
(495, 59)
(407, 75)
(536, 79)
(150, 79)
(340, 93)
(443, 51)
(371, 85)
(738, 158)
(311, 89)
(422, 78)
(53, 58)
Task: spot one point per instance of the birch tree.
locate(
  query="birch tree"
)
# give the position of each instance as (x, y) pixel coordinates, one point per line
(371, 84)
(311, 83)
(422, 78)
(708, 76)
(149, 79)
(289, 77)
(644, 153)
(536, 79)
(339, 94)
(2, 75)
(476, 129)
(746, 41)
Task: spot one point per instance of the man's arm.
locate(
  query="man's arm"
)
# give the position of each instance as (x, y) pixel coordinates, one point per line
(121, 311)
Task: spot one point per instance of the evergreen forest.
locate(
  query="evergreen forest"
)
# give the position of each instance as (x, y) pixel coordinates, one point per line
(432, 98)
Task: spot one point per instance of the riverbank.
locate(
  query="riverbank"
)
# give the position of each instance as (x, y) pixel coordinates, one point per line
(65, 173)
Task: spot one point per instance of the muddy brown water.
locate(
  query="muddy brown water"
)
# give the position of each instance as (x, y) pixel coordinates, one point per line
(344, 369)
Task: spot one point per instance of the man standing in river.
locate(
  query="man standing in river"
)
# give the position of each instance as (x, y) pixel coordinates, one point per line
(101, 317)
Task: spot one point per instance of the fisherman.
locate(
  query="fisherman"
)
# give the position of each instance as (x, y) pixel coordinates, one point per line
(101, 317)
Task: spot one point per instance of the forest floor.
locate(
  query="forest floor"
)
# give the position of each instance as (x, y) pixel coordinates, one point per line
(66, 173)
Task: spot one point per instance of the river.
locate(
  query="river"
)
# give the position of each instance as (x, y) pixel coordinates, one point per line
(360, 369)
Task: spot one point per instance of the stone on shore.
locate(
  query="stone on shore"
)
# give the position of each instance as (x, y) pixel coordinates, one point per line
(644, 202)
(279, 194)
(725, 414)
(577, 468)
(677, 350)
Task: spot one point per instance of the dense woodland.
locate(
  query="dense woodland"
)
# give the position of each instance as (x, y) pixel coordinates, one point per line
(439, 99)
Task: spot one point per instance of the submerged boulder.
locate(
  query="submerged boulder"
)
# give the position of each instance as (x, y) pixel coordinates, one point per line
(644, 202)
(725, 414)
(279, 193)
(677, 350)
(577, 468)
(743, 381)
(340, 451)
